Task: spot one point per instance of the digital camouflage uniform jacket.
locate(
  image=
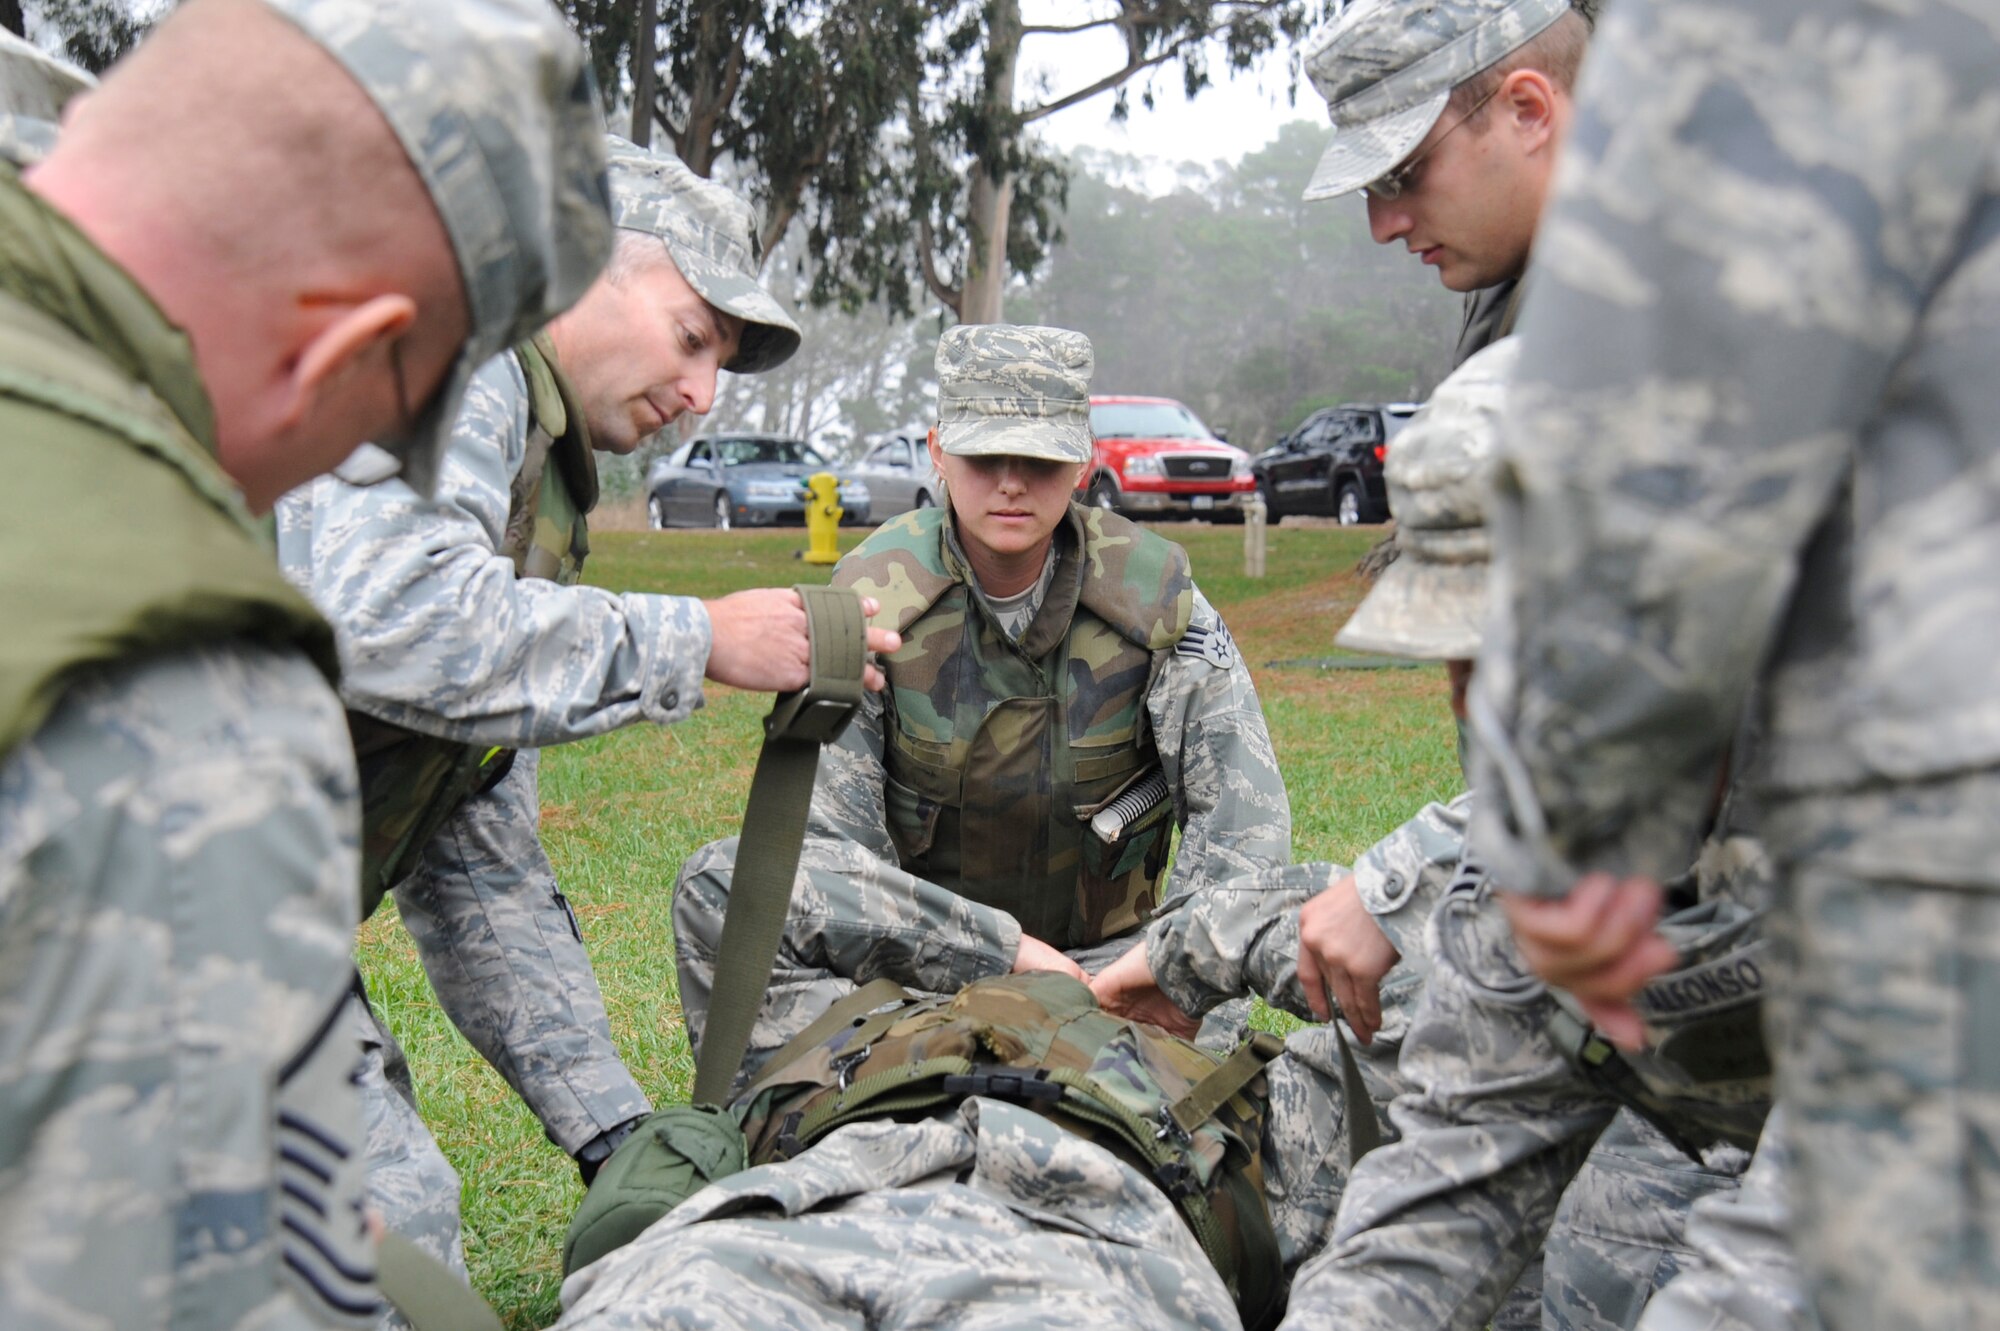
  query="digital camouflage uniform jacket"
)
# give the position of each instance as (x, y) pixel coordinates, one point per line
(1801, 491)
(438, 634)
(178, 1130)
(1755, 436)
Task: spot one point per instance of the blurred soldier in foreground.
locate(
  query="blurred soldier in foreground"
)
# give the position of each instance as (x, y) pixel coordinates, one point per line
(1456, 1207)
(1449, 115)
(276, 230)
(1753, 443)
(1063, 700)
(461, 628)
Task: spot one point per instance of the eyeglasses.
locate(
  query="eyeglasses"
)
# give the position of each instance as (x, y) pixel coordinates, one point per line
(1395, 183)
(407, 417)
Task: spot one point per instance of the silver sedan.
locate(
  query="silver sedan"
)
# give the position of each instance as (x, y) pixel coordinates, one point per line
(899, 475)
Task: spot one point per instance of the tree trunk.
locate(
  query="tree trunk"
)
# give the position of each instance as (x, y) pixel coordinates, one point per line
(644, 73)
(989, 199)
(713, 91)
(988, 204)
(12, 19)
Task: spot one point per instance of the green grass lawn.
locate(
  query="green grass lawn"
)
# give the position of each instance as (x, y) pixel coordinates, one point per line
(1361, 751)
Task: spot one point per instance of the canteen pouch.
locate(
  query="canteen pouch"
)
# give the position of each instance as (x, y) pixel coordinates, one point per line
(669, 1157)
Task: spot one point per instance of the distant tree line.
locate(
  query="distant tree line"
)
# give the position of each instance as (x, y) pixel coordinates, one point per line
(1231, 294)
(890, 145)
(898, 132)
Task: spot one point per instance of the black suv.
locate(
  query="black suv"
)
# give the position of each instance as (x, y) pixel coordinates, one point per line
(1333, 463)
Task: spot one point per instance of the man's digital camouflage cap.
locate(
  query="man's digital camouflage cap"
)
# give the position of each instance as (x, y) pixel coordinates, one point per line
(34, 83)
(711, 235)
(1006, 388)
(494, 103)
(1431, 601)
(34, 88)
(1387, 67)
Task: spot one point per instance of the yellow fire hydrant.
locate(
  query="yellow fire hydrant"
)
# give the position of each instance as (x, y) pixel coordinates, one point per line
(823, 519)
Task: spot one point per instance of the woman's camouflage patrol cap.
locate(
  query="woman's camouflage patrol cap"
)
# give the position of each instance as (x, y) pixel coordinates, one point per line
(1014, 389)
(711, 235)
(1387, 68)
(494, 103)
(1430, 603)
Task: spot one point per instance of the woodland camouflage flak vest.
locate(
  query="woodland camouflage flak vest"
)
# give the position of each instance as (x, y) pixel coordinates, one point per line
(411, 783)
(105, 429)
(999, 752)
(1190, 1120)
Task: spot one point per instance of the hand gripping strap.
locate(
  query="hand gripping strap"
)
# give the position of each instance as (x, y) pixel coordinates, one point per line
(774, 825)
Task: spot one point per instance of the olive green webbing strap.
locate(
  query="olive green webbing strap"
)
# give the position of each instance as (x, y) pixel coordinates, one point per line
(429, 1294)
(853, 1009)
(774, 824)
(1364, 1131)
(1231, 1075)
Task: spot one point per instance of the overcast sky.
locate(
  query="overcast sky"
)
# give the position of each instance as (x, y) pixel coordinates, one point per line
(1232, 117)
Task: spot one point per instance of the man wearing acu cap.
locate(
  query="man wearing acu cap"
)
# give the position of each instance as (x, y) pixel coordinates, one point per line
(1449, 114)
(461, 628)
(276, 230)
(1054, 658)
(1502, 1098)
(1753, 446)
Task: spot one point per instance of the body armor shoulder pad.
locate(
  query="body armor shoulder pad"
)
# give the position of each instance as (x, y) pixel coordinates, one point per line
(902, 566)
(545, 400)
(1136, 582)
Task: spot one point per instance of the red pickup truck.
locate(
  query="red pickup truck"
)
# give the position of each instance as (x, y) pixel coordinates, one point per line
(1156, 458)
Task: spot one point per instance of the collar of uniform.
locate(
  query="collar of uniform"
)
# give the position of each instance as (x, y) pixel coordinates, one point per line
(556, 409)
(1051, 622)
(53, 267)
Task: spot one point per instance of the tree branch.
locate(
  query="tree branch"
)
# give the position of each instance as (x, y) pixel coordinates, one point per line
(925, 247)
(1243, 8)
(1057, 29)
(1105, 84)
(780, 217)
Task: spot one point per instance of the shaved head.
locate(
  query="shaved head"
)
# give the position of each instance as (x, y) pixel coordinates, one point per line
(249, 184)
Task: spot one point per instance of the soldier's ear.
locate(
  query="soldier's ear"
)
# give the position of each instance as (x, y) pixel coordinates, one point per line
(1528, 104)
(342, 343)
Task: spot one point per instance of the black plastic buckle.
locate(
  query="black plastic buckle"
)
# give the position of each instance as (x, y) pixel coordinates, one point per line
(1175, 1179)
(1005, 1084)
(802, 716)
(788, 1134)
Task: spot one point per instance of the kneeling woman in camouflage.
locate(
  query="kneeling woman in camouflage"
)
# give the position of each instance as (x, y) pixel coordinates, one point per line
(1056, 660)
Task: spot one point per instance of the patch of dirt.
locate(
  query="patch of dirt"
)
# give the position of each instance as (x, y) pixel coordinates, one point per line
(1300, 621)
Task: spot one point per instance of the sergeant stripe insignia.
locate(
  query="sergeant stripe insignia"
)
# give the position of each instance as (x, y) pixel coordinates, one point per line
(323, 1232)
(1210, 643)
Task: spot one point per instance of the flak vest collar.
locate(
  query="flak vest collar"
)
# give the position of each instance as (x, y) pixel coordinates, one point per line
(103, 416)
(49, 265)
